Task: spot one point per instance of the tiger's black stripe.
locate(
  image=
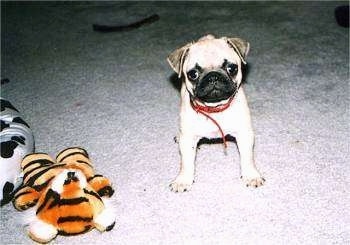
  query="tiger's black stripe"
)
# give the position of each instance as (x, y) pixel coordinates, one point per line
(80, 161)
(72, 148)
(74, 153)
(106, 191)
(59, 202)
(72, 201)
(42, 162)
(110, 227)
(92, 193)
(73, 219)
(28, 205)
(32, 170)
(21, 194)
(32, 179)
(40, 187)
(49, 195)
(34, 153)
(95, 176)
(64, 233)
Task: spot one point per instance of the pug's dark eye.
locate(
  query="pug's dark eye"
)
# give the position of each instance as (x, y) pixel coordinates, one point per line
(232, 69)
(193, 74)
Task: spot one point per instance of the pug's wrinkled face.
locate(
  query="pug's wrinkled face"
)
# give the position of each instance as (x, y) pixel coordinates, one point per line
(212, 71)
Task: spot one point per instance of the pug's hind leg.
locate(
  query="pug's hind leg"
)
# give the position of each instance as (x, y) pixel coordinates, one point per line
(188, 149)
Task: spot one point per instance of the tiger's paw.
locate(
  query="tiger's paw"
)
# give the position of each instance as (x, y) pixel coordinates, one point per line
(25, 198)
(101, 185)
(105, 221)
(42, 232)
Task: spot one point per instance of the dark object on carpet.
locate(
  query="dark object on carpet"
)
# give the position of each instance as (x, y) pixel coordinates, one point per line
(8, 193)
(342, 15)
(4, 80)
(128, 27)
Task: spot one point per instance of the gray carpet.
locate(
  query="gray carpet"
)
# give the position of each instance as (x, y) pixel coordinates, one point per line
(115, 95)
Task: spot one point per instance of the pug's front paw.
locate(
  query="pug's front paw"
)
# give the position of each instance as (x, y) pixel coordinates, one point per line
(253, 179)
(182, 183)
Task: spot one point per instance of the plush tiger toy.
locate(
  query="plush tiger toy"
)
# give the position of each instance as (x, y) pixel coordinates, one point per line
(67, 195)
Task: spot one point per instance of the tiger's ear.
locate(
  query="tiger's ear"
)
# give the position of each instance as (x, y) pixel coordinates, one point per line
(240, 46)
(176, 58)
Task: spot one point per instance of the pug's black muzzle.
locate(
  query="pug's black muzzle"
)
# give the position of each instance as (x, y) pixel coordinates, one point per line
(215, 87)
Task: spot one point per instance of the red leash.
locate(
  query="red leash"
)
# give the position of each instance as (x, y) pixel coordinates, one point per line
(204, 110)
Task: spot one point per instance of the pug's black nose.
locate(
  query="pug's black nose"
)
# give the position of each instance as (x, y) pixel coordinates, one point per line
(213, 78)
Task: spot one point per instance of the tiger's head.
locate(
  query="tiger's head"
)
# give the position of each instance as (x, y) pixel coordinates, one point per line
(68, 182)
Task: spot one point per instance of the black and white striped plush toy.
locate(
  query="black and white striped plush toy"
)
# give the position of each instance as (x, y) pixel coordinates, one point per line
(16, 141)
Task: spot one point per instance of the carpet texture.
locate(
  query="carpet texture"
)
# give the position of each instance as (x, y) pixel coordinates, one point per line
(115, 95)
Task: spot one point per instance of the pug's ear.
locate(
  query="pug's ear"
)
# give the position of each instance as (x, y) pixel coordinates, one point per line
(240, 46)
(177, 58)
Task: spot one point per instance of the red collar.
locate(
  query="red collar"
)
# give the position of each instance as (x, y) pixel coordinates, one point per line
(210, 109)
(206, 110)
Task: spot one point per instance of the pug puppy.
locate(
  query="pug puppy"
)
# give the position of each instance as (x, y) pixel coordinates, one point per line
(213, 103)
